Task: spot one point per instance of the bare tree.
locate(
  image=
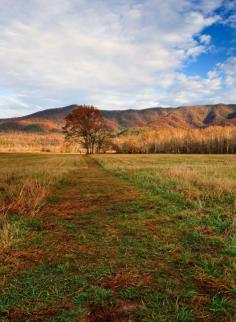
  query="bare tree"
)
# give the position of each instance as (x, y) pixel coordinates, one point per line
(214, 139)
(86, 126)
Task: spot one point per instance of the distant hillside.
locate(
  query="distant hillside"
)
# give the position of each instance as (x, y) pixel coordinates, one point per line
(52, 120)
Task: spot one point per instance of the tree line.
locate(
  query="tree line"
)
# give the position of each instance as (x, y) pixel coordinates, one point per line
(86, 126)
(215, 139)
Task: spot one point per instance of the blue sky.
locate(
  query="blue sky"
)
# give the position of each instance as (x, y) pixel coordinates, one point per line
(116, 54)
(222, 47)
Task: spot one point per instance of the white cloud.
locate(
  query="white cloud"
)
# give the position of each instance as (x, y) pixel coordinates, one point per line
(218, 86)
(227, 71)
(229, 7)
(14, 106)
(231, 20)
(205, 39)
(112, 54)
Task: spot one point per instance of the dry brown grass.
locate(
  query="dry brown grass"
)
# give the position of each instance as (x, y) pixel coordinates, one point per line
(118, 312)
(31, 142)
(24, 198)
(36, 142)
(194, 176)
(206, 179)
(30, 199)
(25, 185)
(123, 281)
(8, 235)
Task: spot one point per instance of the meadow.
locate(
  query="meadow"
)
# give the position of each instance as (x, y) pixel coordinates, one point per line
(31, 142)
(117, 237)
(25, 184)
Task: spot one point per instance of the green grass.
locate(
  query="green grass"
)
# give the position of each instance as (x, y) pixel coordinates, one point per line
(139, 238)
(193, 220)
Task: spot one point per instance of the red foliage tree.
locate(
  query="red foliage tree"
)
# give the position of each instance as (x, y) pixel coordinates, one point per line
(86, 125)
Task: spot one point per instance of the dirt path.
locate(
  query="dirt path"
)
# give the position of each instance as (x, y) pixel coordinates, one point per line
(72, 264)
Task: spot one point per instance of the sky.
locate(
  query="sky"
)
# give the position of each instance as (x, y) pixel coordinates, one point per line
(116, 54)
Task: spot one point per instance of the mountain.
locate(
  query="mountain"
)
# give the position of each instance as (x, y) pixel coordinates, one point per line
(52, 120)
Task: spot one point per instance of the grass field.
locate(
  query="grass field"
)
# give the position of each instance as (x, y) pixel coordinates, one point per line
(117, 238)
(31, 142)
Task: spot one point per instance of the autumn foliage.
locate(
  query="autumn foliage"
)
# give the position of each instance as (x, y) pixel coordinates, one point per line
(86, 126)
(215, 139)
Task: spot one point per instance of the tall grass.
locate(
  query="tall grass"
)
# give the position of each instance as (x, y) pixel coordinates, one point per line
(21, 196)
(35, 142)
(25, 182)
(31, 142)
(196, 177)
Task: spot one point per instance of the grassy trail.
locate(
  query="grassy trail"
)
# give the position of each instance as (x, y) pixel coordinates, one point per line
(57, 272)
(103, 250)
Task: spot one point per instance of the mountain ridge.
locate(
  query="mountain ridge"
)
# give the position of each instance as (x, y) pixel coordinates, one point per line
(196, 116)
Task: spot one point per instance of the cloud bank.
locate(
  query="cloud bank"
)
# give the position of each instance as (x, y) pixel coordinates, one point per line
(121, 54)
